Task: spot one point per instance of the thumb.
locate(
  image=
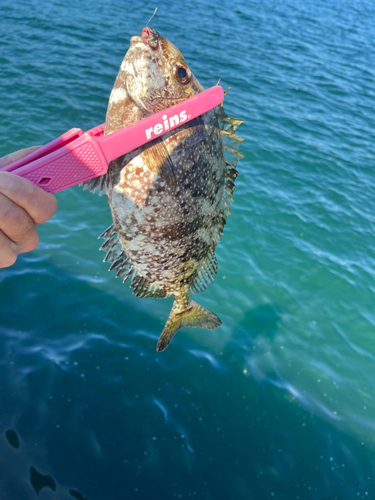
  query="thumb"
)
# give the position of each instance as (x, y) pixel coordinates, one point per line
(17, 155)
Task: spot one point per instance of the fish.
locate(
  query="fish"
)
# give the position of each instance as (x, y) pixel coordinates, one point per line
(170, 198)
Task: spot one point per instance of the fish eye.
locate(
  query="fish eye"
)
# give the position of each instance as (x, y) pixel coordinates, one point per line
(181, 73)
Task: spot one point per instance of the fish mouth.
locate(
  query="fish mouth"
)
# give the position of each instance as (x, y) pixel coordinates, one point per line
(150, 37)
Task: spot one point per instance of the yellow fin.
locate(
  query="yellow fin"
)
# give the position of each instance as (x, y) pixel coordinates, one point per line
(195, 316)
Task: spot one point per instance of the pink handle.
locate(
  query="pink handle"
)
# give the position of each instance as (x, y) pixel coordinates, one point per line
(76, 156)
(52, 146)
(76, 162)
(114, 145)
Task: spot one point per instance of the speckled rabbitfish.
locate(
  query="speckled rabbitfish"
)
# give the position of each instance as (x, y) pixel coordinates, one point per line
(171, 197)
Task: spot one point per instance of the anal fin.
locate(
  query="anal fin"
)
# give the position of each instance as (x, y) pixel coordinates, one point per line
(116, 254)
(145, 289)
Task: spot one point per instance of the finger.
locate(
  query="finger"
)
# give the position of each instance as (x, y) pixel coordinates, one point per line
(8, 255)
(40, 205)
(17, 226)
(17, 155)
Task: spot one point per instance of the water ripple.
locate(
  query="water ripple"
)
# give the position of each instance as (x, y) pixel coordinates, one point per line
(228, 412)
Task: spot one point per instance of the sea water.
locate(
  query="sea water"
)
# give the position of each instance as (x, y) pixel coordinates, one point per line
(279, 402)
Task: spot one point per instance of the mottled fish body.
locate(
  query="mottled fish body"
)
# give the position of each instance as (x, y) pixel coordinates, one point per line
(170, 198)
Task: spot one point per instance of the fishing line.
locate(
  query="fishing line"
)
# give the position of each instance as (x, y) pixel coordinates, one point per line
(151, 16)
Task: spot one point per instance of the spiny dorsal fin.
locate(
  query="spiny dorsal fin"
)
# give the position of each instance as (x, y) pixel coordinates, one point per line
(219, 111)
(221, 221)
(231, 144)
(231, 140)
(226, 123)
(226, 202)
(229, 185)
(207, 273)
(228, 192)
(225, 207)
(229, 124)
(230, 171)
(231, 155)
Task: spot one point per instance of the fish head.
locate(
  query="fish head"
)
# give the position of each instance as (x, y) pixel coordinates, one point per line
(156, 74)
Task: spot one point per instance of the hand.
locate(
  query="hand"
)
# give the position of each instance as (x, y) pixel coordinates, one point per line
(23, 206)
(17, 155)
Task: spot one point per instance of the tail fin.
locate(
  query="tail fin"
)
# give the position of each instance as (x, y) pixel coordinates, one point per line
(195, 316)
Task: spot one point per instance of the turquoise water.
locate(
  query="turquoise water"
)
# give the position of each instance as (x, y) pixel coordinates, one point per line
(280, 401)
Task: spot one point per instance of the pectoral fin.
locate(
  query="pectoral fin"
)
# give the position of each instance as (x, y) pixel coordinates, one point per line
(159, 161)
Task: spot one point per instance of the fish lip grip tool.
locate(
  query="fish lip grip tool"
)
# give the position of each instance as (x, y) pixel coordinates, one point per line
(77, 156)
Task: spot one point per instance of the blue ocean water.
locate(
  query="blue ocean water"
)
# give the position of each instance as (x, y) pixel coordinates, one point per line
(280, 401)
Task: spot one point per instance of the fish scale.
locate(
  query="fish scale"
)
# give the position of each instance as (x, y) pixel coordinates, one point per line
(170, 198)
